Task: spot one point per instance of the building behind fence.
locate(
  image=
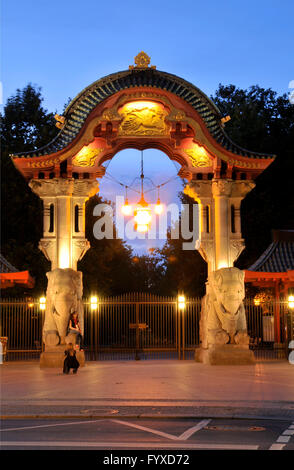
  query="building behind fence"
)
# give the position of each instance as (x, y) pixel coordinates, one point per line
(141, 326)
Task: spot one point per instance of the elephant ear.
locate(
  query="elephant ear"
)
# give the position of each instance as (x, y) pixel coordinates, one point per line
(78, 281)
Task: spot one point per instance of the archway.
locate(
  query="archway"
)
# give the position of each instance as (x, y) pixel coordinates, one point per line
(144, 108)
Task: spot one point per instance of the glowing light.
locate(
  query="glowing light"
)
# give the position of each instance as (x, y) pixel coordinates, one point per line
(126, 208)
(142, 216)
(256, 302)
(94, 302)
(64, 258)
(158, 208)
(181, 302)
(30, 305)
(42, 303)
(142, 228)
(291, 301)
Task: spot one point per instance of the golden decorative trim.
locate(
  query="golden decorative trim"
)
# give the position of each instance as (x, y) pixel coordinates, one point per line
(143, 118)
(60, 121)
(198, 157)
(86, 157)
(45, 163)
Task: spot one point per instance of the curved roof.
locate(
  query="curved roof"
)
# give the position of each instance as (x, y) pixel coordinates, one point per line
(84, 103)
(279, 256)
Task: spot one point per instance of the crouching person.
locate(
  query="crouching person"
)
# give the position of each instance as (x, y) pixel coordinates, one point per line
(70, 361)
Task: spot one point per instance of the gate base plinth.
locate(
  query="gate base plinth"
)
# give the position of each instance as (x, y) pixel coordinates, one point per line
(55, 358)
(228, 354)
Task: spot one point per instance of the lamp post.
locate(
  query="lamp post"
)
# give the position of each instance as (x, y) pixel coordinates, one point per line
(181, 309)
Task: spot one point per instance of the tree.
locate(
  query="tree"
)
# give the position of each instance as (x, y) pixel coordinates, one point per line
(184, 270)
(262, 121)
(25, 125)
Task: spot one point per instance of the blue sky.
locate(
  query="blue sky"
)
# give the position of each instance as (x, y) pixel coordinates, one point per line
(63, 46)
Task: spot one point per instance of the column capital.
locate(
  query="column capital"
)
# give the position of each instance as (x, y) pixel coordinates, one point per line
(64, 187)
(222, 187)
(199, 189)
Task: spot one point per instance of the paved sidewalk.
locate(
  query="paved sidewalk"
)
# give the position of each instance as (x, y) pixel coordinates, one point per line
(148, 388)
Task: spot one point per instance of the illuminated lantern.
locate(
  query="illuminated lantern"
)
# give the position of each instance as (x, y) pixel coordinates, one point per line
(126, 208)
(158, 208)
(142, 216)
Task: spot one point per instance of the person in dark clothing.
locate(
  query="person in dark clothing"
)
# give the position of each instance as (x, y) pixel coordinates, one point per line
(70, 361)
(74, 327)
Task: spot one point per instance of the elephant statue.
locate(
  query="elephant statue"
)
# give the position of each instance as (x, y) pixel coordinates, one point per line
(223, 319)
(63, 297)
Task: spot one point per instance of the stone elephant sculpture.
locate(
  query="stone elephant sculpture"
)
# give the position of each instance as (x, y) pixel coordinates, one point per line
(223, 319)
(63, 297)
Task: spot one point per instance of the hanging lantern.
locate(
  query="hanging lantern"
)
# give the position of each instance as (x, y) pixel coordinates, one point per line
(126, 208)
(158, 208)
(142, 216)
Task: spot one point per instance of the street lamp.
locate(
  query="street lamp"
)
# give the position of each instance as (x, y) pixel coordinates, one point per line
(94, 303)
(291, 301)
(42, 303)
(181, 302)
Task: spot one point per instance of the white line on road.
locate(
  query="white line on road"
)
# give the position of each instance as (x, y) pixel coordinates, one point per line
(50, 425)
(277, 447)
(183, 437)
(189, 432)
(128, 445)
(283, 438)
(143, 428)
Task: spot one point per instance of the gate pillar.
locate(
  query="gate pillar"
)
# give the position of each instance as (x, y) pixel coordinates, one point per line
(223, 328)
(64, 242)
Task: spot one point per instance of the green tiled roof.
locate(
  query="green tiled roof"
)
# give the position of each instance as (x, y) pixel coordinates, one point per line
(79, 109)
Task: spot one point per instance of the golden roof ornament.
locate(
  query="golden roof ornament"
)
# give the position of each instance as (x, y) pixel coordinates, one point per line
(142, 61)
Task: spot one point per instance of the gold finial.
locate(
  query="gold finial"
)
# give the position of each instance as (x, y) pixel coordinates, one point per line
(142, 61)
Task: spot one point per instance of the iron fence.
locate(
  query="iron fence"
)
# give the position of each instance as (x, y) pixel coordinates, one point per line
(143, 326)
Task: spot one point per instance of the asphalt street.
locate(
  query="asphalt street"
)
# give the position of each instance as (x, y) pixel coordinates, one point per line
(168, 434)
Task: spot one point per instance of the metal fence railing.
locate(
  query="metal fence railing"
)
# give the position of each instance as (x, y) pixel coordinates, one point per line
(142, 326)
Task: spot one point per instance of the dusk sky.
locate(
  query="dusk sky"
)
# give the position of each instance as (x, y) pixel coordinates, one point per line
(63, 46)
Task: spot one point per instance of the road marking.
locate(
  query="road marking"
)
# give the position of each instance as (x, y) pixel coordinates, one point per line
(189, 432)
(143, 428)
(277, 447)
(288, 432)
(283, 438)
(183, 437)
(51, 425)
(128, 445)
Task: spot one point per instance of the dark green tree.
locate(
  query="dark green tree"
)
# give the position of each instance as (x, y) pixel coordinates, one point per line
(262, 121)
(25, 125)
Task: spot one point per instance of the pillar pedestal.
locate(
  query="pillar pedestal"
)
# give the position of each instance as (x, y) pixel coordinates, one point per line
(227, 354)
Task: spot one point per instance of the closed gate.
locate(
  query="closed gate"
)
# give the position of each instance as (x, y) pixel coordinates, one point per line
(142, 326)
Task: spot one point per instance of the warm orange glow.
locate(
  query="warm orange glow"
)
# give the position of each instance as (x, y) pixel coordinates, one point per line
(126, 208)
(142, 228)
(291, 301)
(42, 303)
(181, 302)
(142, 216)
(158, 208)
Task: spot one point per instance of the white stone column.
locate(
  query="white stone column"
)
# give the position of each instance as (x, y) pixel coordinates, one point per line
(64, 247)
(220, 247)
